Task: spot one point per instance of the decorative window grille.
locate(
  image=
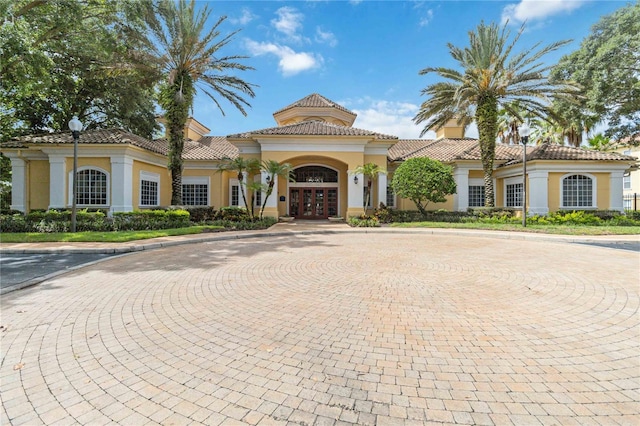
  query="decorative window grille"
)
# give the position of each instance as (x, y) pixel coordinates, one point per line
(148, 193)
(92, 188)
(476, 196)
(577, 191)
(235, 195)
(514, 195)
(195, 194)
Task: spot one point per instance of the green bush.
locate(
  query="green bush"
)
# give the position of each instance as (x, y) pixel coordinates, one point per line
(201, 214)
(13, 223)
(245, 225)
(235, 214)
(633, 214)
(363, 221)
(150, 220)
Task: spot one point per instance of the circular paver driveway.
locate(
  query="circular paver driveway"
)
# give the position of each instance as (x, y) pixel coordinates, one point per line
(372, 328)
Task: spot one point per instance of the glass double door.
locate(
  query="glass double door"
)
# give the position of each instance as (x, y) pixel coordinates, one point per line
(313, 203)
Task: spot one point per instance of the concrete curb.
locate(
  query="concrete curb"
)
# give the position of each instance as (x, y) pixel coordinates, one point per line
(123, 248)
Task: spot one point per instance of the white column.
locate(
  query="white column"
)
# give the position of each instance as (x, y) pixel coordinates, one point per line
(382, 189)
(18, 184)
(538, 191)
(616, 190)
(461, 198)
(57, 182)
(121, 184)
(272, 201)
(356, 192)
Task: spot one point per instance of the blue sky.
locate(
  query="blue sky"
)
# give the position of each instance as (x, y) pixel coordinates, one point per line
(366, 55)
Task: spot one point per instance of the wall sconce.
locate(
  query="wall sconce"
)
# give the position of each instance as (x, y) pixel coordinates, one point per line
(268, 179)
(355, 180)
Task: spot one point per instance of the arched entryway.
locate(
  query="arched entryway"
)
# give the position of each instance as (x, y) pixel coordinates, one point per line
(314, 192)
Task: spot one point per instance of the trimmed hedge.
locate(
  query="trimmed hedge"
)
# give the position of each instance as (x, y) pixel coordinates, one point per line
(60, 221)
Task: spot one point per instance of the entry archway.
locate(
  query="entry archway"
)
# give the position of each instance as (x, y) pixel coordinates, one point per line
(314, 192)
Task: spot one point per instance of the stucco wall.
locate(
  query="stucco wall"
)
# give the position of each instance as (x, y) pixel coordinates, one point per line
(603, 184)
(38, 181)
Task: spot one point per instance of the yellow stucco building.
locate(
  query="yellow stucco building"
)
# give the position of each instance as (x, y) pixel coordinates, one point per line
(120, 171)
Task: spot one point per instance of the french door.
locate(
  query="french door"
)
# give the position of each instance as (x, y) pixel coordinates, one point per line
(313, 203)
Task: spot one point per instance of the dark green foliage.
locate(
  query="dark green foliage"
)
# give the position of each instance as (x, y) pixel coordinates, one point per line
(201, 214)
(234, 214)
(607, 66)
(423, 180)
(245, 225)
(363, 221)
(60, 57)
(150, 220)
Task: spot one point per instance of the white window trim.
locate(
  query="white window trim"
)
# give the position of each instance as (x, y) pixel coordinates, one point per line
(199, 180)
(594, 192)
(151, 177)
(626, 181)
(511, 181)
(81, 169)
(235, 182)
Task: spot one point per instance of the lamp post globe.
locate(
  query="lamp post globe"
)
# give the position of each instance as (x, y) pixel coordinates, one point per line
(524, 131)
(75, 126)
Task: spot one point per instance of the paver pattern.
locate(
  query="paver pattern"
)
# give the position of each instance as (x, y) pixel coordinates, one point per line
(377, 329)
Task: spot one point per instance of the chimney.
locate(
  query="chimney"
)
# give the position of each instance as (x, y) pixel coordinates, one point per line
(451, 130)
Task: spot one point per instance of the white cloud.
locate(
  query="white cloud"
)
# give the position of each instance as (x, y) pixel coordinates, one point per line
(326, 37)
(531, 10)
(289, 22)
(245, 18)
(428, 16)
(388, 117)
(291, 62)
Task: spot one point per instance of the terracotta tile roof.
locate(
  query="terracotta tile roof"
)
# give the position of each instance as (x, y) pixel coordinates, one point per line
(448, 150)
(209, 148)
(312, 128)
(220, 145)
(314, 100)
(104, 137)
(548, 151)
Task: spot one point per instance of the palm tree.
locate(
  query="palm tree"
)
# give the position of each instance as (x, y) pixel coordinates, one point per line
(370, 171)
(272, 168)
(185, 50)
(241, 166)
(492, 76)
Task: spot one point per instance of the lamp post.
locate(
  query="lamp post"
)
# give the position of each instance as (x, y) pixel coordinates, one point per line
(524, 134)
(75, 126)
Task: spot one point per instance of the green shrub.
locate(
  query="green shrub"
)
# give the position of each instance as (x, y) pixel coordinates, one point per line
(633, 214)
(150, 220)
(363, 221)
(246, 225)
(13, 223)
(201, 214)
(236, 214)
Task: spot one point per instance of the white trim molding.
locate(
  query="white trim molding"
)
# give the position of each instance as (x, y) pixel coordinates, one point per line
(594, 192)
(57, 180)
(121, 184)
(616, 191)
(18, 184)
(150, 177)
(538, 192)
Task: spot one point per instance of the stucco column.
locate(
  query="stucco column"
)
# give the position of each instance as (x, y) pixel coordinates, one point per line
(57, 182)
(121, 184)
(18, 184)
(616, 190)
(461, 198)
(382, 190)
(355, 199)
(538, 192)
(271, 207)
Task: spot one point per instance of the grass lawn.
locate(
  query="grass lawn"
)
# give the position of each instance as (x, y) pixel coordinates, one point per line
(534, 228)
(103, 237)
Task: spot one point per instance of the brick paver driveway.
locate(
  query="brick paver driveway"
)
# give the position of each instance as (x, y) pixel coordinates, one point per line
(331, 329)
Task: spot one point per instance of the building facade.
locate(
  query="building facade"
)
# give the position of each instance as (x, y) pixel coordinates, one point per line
(120, 171)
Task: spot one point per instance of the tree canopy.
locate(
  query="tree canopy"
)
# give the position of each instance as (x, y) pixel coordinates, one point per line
(607, 66)
(60, 58)
(423, 180)
(490, 75)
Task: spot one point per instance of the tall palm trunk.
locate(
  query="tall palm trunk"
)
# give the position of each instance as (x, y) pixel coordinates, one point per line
(241, 184)
(487, 119)
(175, 99)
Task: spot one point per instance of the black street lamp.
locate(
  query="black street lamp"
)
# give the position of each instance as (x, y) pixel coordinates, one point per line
(524, 131)
(75, 126)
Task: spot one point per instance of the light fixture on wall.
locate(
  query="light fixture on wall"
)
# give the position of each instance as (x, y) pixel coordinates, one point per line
(75, 126)
(355, 180)
(524, 131)
(268, 179)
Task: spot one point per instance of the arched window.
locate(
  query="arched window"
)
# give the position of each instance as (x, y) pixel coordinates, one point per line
(93, 187)
(315, 174)
(578, 191)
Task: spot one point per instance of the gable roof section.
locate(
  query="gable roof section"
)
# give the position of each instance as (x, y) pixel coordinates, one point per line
(449, 150)
(312, 128)
(208, 148)
(100, 137)
(314, 100)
